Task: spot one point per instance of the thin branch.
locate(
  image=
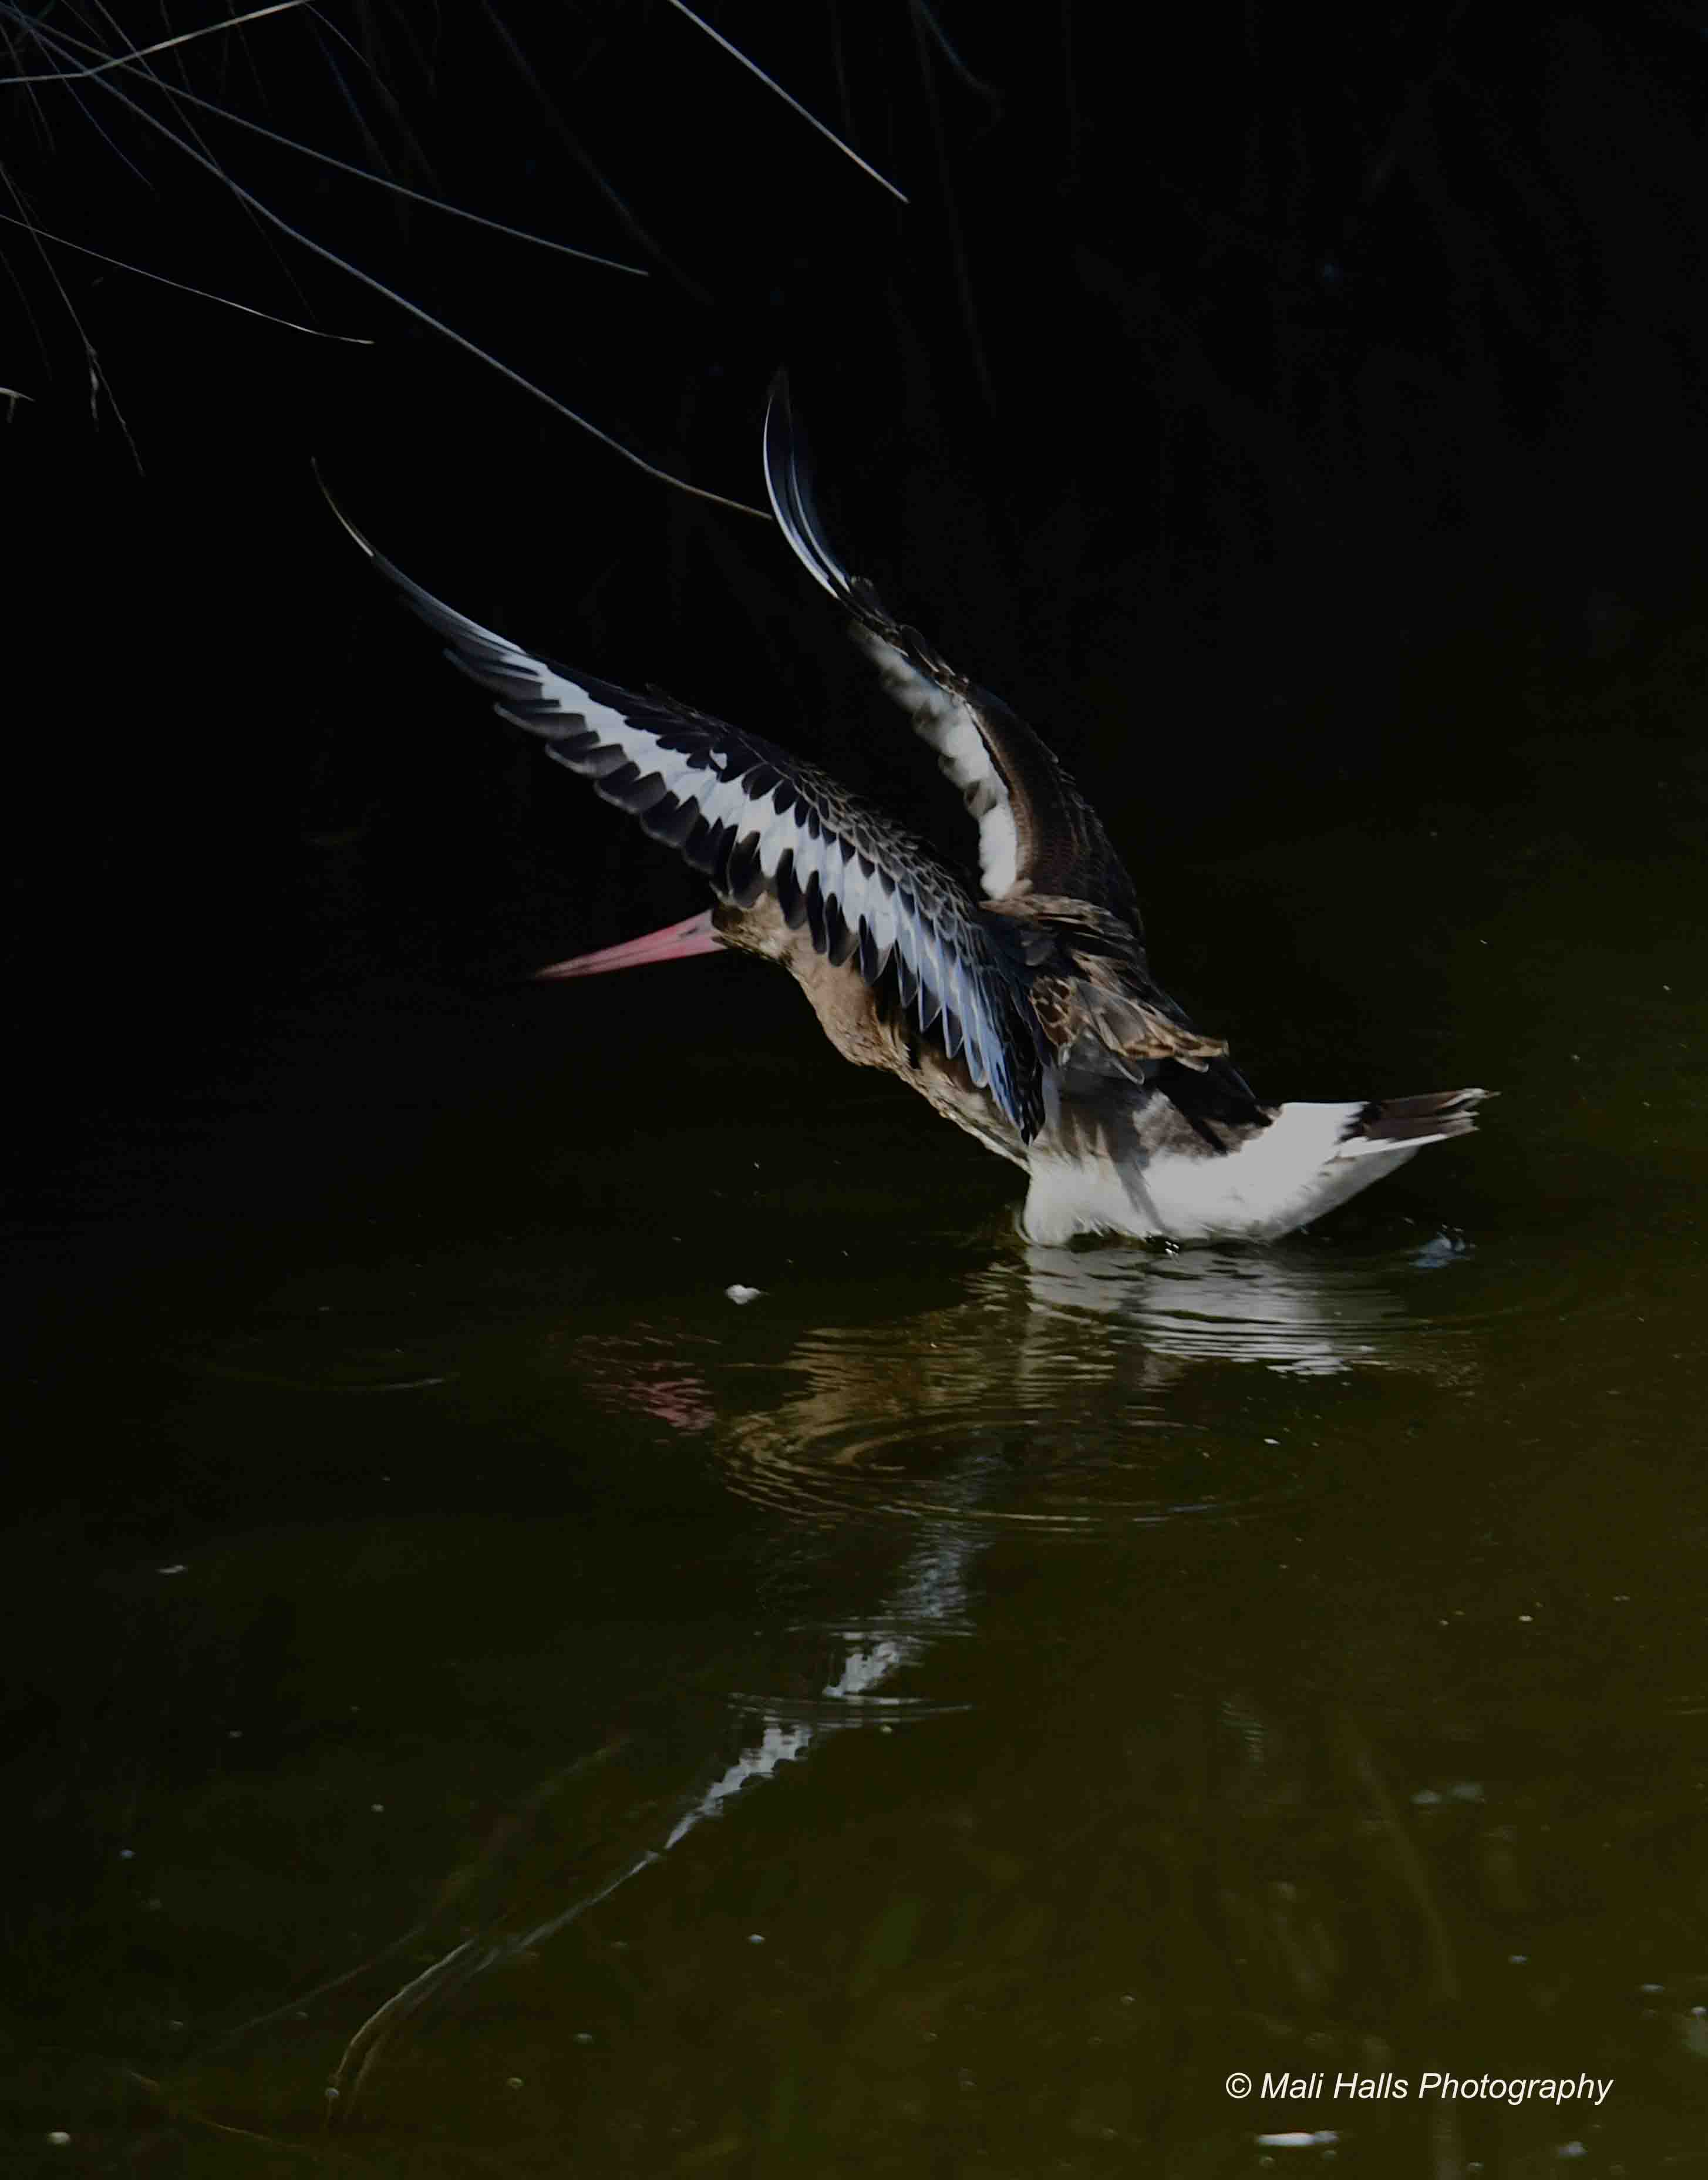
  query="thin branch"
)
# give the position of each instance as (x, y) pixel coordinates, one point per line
(98, 377)
(788, 98)
(403, 188)
(988, 91)
(413, 310)
(344, 166)
(123, 264)
(118, 36)
(952, 216)
(160, 46)
(524, 68)
(378, 156)
(323, 21)
(94, 120)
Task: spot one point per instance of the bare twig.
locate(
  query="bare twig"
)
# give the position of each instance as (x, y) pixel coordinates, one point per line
(788, 98)
(329, 159)
(123, 264)
(97, 377)
(160, 46)
(402, 302)
(619, 204)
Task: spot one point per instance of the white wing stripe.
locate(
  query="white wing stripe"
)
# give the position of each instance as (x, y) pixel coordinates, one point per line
(853, 883)
(946, 723)
(593, 736)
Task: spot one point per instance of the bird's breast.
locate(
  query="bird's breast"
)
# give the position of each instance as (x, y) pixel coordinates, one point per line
(869, 1027)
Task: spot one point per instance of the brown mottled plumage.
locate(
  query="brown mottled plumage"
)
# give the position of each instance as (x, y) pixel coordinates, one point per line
(1090, 981)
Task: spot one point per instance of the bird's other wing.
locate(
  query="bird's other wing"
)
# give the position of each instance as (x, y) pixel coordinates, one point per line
(756, 820)
(1036, 831)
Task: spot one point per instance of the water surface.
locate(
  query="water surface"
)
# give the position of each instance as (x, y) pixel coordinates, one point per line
(485, 1700)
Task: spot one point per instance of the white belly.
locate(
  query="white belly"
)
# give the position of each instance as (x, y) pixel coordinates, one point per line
(1294, 1170)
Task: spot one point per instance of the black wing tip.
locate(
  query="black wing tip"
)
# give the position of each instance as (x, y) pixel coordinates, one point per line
(780, 444)
(1434, 1118)
(789, 486)
(429, 608)
(471, 645)
(343, 519)
(782, 428)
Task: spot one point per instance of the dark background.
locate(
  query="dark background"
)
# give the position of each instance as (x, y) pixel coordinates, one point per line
(1285, 410)
(1297, 414)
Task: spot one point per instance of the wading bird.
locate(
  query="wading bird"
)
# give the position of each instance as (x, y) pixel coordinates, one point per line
(1025, 1012)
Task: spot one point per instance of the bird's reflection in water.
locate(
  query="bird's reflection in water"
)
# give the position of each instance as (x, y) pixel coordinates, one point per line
(1061, 1395)
(1058, 1390)
(1306, 1311)
(1046, 1398)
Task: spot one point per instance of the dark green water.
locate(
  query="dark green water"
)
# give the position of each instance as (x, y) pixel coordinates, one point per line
(948, 1713)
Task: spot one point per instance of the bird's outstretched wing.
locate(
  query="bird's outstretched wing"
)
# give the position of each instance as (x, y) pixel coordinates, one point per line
(757, 820)
(1036, 831)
